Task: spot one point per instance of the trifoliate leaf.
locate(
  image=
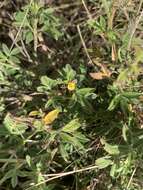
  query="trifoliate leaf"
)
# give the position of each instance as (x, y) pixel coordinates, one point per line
(103, 162)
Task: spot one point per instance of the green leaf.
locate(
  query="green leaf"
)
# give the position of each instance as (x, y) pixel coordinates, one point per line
(49, 83)
(3, 57)
(115, 101)
(123, 77)
(14, 59)
(29, 37)
(14, 179)
(111, 149)
(64, 153)
(68, 73)
(8, 175)
(14, 127)
(113, 170)
(85, 91)
(71, 126)
(53, 135)
(19, 18)
(102, 23)
(103, 162)
(38, 125)
(72, 140)
(49, 103)
(81, 137)
(24, 173)
(15, 51)
(49, 187)
(124, 102)
(132, 94)
(5, 49)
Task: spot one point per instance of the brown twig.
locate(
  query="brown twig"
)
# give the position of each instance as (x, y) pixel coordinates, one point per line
(59, 175)
(83, 43)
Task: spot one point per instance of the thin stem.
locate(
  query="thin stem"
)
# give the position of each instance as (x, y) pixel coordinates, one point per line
(131, 178)
(58, 175)
(83, 43)
(15, 39)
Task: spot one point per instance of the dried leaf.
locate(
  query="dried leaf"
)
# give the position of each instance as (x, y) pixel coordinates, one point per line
(104, 73)
(105, 70)
(97, 76)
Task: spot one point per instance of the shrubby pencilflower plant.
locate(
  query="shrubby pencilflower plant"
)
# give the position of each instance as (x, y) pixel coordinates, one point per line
(71, 95)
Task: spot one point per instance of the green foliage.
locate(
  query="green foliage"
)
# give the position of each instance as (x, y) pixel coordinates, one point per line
(14, 127)
(61, 128)
(34, 15)
(103, 162)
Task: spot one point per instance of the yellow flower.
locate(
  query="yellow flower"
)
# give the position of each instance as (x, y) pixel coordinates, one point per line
(51, 116)
(71, 86)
